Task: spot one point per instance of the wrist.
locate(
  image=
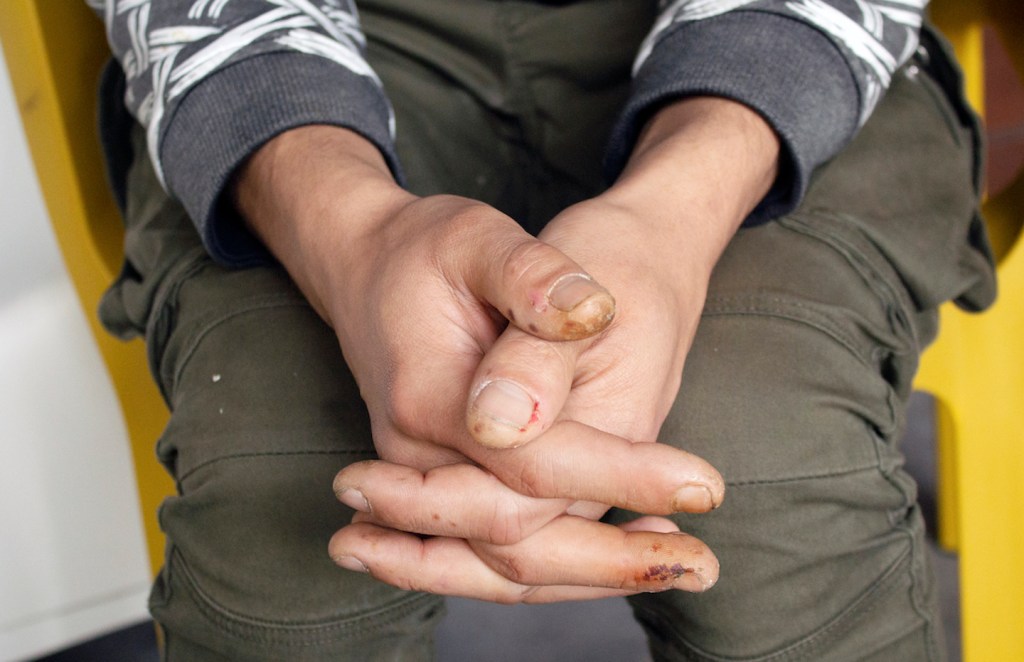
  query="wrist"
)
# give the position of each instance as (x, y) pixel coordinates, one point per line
(699, 168)
(314, 195)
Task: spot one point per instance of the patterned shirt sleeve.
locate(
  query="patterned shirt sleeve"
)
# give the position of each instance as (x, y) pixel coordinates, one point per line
(814, 69)
(212, 80)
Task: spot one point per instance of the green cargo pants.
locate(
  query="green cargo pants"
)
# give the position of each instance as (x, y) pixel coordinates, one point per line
(795, 388)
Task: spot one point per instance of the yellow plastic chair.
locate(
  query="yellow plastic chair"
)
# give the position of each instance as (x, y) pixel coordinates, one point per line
(976, 373)
(55, 50)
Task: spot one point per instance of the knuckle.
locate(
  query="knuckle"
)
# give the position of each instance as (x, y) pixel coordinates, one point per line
(530, 261)
(511, 567)
(535, 478)
(506, 525)
(466, 220)
(405, 405)
(406, 583)
(465, 215)
(547, 362)
(514, 596)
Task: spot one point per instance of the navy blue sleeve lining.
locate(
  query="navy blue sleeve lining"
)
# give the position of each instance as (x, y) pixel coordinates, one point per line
(230, 114)
(787, 71)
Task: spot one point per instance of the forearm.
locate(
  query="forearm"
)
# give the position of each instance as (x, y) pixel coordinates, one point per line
(309, 195)
(699, 167)
(708, 151)
(813, 68)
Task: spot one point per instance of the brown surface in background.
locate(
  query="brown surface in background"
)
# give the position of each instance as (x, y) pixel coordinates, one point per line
(1004, 115)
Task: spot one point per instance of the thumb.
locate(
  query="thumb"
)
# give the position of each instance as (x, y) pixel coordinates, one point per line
(539, 289)
(519, 388)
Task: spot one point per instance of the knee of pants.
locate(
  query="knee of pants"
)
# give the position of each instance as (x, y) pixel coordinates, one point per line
(793, 391)
(264, 414)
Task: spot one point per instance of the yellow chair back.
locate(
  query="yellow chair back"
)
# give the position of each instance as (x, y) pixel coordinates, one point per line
(976, 372)
(55, 50)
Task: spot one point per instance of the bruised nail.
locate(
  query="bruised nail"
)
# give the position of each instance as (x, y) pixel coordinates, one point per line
(505, 402)
(351, 563)
(693, 498)
(354, 499)
(571, 290)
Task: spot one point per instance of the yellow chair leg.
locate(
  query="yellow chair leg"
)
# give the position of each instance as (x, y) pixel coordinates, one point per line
(945, 464)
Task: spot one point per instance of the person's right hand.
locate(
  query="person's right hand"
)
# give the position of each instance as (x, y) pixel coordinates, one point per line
(417, 290)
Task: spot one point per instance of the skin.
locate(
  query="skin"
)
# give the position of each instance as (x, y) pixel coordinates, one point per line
(433, 299)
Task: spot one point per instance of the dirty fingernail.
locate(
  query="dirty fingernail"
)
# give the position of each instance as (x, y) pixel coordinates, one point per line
(694, 581)
(351, 563)
(572, 290)
(505, 402)
(354, 499)
(693, 498)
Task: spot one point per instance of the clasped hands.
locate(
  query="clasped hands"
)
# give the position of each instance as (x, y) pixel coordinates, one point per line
(500, 443)
(510, 395)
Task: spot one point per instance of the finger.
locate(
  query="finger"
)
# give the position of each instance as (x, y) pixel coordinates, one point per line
(644, 523)
(605, 555)
(600, 556)
(550, 593)
(456, 500)
(519, 388)
(648, 523)
(574, 461)
(537, 287)
(445, 566)
(396, 447)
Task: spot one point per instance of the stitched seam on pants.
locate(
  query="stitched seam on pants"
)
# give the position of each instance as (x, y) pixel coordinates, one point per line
(795, 479)
(915, 561)
(793, 311)
(917, 568)
(801, 313)
(878, 273)
(158, 322)
(281, 632)
(249, 455)
(259, 303)
(916, 597)
(847, 619)
(806, 647)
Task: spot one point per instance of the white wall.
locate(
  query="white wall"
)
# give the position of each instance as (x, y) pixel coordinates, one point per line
(72, 553)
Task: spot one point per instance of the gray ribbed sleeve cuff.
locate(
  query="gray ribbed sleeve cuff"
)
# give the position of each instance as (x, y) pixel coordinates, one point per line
(229, 115)
(785, 70)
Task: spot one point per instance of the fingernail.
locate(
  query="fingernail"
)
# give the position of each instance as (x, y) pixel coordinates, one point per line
(505, 402)
(693, 581)
(351, 563)
(571, 290)
(355, 500)
(705, 583)
(693, 498)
